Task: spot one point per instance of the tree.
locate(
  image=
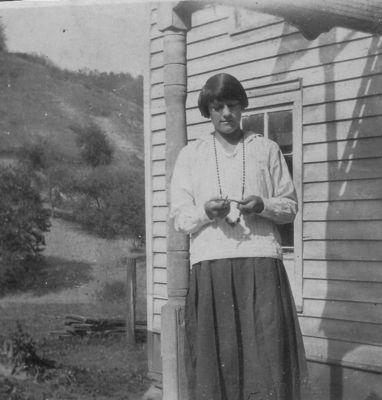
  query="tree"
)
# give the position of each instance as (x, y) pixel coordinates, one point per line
(3, 39)
(95, 148)
(23, 219)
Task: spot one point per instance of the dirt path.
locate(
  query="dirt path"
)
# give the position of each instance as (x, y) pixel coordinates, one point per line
(79, 264)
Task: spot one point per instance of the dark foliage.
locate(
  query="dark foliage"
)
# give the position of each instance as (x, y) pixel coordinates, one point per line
(3, 39)
(110, 202)
(95, 148)
(23, 219)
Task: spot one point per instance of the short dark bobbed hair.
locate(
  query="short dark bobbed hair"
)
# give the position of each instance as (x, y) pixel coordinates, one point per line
(221, 87)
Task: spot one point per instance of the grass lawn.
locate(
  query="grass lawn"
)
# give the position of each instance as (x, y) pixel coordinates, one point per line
(84, 275)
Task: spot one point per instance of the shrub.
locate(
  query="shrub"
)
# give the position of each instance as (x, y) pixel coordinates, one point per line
(95, 148)
(23, 219)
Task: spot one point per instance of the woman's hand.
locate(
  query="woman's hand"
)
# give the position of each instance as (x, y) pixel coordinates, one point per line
(217, 208)
(251, 204)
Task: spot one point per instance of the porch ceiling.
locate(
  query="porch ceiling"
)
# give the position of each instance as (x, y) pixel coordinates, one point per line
(313, 17)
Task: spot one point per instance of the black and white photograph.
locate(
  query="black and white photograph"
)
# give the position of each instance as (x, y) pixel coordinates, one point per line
(191, 200)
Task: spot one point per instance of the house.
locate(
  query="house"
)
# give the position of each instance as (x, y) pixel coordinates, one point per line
(313, 74)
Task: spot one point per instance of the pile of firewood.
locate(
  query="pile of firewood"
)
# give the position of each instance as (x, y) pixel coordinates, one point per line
(79, 325)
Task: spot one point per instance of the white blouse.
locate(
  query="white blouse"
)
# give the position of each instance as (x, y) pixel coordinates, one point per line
(195, 181)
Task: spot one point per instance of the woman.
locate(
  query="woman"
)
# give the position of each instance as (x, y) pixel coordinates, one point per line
(229, 190)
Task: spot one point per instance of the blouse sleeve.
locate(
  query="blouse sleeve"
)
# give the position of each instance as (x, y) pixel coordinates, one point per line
(188, 217)
(282, 206)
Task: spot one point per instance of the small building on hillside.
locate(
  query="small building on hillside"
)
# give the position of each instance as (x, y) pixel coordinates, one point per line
(313, 74)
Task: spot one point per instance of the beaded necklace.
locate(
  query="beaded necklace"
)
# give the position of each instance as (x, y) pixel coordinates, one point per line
(233, 217)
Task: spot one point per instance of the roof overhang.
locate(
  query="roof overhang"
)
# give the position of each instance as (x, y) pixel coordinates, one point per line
(312, 17)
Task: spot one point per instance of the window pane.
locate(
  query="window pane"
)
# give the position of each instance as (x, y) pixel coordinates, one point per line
(281, 129)
(254, 123)
(286, 232)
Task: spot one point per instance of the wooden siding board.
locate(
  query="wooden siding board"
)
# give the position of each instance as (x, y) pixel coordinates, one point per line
(352, 331)
(360, 189)
(343, 250)
(159, 260)
(343, 150)
(342, 310)
(355, 128)
(160, 213)
(343, 230)
(159, 229)
(363, 292)
(343, 170)
(343, 210)
(363, 271)
(349, 353)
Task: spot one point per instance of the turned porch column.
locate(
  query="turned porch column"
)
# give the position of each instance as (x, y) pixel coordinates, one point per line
(174, 24)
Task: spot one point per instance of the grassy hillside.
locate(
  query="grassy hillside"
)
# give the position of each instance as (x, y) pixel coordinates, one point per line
(38, 104)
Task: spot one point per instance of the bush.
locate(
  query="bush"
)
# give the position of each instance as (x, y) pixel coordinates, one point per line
(23, 219)
(95, 148)
(110, 202)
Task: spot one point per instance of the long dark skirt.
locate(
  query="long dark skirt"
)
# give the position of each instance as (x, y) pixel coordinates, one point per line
(243, 341)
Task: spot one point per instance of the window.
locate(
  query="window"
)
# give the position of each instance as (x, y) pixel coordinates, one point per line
(275, 112)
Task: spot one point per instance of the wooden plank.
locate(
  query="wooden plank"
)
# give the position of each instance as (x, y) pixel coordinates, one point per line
(160, 290)
(361, 189)
(349, 353)
(343, 150)
(343, 230)
(159, 229)
(159, 244)
(344, 109)
(343, 170)
(158, 137)
(156, 323)
(131, 298)
(343, 210)
(346, 89)
(363, 292)
(158, 183)
(365, 271)
(362, 312)
(343, 250)
(158, 168)
(284, 63)
(269, 49)
(356, 128)
(160, 213)
(160, 275)
(310, 74)
(358, 332)
(209, 14)
(160, 260)
(159, 198)
(158, 152)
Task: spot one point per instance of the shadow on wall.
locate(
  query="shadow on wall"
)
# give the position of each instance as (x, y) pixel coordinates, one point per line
(345, 185)
(350, 196)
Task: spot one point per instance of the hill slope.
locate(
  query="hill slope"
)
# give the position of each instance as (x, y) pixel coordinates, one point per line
(37, 104)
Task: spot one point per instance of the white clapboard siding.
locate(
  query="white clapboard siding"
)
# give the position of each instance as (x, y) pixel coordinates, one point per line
(160, 213)
(159, 229)
(343, 310)
(343, 250)
(343, 210)
(363, 292)
(160, 275)
(355, 128)
(360, 189)
(160, 260)
(348, 353)
(343, 150)
(342, 230)
(343, 170)
(359, 332)
(363, 271)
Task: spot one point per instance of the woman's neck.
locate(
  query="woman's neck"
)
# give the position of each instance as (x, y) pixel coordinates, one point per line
(229, 141)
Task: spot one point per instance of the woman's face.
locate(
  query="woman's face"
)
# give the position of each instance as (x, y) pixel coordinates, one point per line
(225, 116)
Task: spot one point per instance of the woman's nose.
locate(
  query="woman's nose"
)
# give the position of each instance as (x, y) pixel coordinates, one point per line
(226, 110)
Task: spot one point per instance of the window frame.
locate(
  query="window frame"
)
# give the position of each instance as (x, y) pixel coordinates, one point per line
(277, 95)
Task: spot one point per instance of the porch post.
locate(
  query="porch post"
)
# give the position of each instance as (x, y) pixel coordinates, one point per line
(174, 24)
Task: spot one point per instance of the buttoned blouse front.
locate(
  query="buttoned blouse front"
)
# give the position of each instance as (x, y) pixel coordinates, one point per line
(196, 180)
